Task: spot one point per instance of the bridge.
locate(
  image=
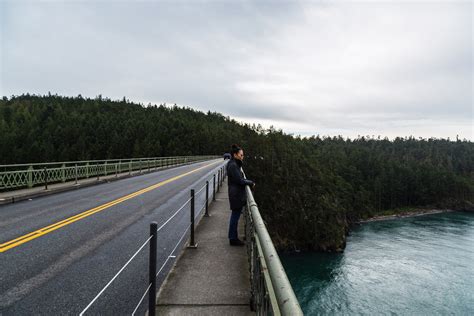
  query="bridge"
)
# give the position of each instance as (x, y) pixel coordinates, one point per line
(133, 236)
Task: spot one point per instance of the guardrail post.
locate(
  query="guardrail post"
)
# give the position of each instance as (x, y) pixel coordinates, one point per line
(214, 188)
(75, 173)
(130, 167)
(207, 199)
(152, 268)
(45, 178)
(116, 170)
(218, 179)
(63, 173)
(97, 170)
(87, 170)
(192, 243)
(105, 168)
(140, 163)
(148, 165)
(30, 176)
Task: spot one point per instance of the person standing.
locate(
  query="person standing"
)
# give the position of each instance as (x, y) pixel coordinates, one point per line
(237, 194)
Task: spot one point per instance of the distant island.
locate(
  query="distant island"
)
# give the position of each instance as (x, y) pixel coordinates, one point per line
(310, 190)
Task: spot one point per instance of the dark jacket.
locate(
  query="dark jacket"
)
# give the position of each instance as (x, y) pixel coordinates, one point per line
(236, 183)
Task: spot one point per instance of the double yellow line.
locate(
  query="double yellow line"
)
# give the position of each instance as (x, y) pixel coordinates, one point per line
(45, 230)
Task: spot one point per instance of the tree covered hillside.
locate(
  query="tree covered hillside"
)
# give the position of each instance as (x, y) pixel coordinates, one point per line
(309, 190)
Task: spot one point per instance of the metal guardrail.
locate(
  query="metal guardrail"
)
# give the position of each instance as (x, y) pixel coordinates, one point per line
(271, 290)
(17, 176)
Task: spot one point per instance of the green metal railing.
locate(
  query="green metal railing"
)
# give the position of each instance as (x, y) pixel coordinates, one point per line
(17, 176)
(271, 290)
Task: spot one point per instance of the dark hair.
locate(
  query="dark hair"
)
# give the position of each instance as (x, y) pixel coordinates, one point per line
(235, 149)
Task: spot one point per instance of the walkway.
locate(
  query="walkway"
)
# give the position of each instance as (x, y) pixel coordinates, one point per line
(212, 279)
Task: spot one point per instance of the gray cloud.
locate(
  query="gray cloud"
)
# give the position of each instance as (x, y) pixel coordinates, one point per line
(390, 68)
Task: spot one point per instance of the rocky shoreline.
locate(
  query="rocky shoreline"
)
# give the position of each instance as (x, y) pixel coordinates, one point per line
(403, 215)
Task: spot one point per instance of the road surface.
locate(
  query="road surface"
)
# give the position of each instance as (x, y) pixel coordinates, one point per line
(57, 252)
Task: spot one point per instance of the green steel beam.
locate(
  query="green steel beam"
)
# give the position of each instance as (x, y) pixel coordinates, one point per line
(285, 297)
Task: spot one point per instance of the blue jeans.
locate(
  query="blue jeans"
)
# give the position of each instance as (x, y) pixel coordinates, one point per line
(234, 222)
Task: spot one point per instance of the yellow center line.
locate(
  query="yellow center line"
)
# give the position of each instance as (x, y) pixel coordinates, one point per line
(45, 230)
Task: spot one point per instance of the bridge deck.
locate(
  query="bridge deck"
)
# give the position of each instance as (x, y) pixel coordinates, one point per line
(212, 279)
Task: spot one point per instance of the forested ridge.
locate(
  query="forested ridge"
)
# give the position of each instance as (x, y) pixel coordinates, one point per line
(309, 190)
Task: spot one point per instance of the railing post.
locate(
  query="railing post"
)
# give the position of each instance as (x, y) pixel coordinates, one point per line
(218, 179)
(63, 173)
(97, 170)
(214, 188)
(152, 268)
(130, 167)
(30, 176)
(192, 243)
(207, 199)
(105, 168)
(87, 170)
(45, 178)
(75, 173)
(116, 170)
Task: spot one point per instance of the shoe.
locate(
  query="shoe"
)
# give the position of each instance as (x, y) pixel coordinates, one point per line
(236, 242)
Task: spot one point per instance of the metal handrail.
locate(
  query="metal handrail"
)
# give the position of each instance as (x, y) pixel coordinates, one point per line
(18, 176)
(272, 293)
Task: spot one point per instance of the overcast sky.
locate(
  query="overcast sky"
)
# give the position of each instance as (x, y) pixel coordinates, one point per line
(389, 68)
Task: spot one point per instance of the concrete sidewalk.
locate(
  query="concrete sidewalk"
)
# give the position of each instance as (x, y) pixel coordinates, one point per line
(212, 279)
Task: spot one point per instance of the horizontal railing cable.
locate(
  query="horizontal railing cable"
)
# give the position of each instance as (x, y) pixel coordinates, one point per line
(141, 300)
(202, 188)
(172, 251)
(115, 276)
(128, 262)
(175, 213)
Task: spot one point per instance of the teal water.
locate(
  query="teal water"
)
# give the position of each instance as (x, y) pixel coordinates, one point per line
(420, 265)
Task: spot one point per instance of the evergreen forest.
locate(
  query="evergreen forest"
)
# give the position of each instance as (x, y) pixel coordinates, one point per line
(310, 190)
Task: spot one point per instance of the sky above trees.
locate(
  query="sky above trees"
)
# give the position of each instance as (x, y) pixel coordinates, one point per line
(389, 68)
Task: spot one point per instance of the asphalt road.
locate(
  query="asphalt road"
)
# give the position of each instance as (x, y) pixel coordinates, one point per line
(59, 269)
